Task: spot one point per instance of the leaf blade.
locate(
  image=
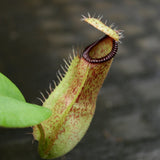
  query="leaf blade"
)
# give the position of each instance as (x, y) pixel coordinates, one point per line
(19, 114)
(9, 89)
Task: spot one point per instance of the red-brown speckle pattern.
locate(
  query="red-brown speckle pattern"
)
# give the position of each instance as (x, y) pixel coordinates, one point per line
(73, 106)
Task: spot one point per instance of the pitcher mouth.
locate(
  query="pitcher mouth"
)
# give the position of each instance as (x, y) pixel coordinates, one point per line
(109, 56)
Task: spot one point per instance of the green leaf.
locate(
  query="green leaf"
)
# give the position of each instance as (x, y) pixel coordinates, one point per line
(9, 89)
(15, 113)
